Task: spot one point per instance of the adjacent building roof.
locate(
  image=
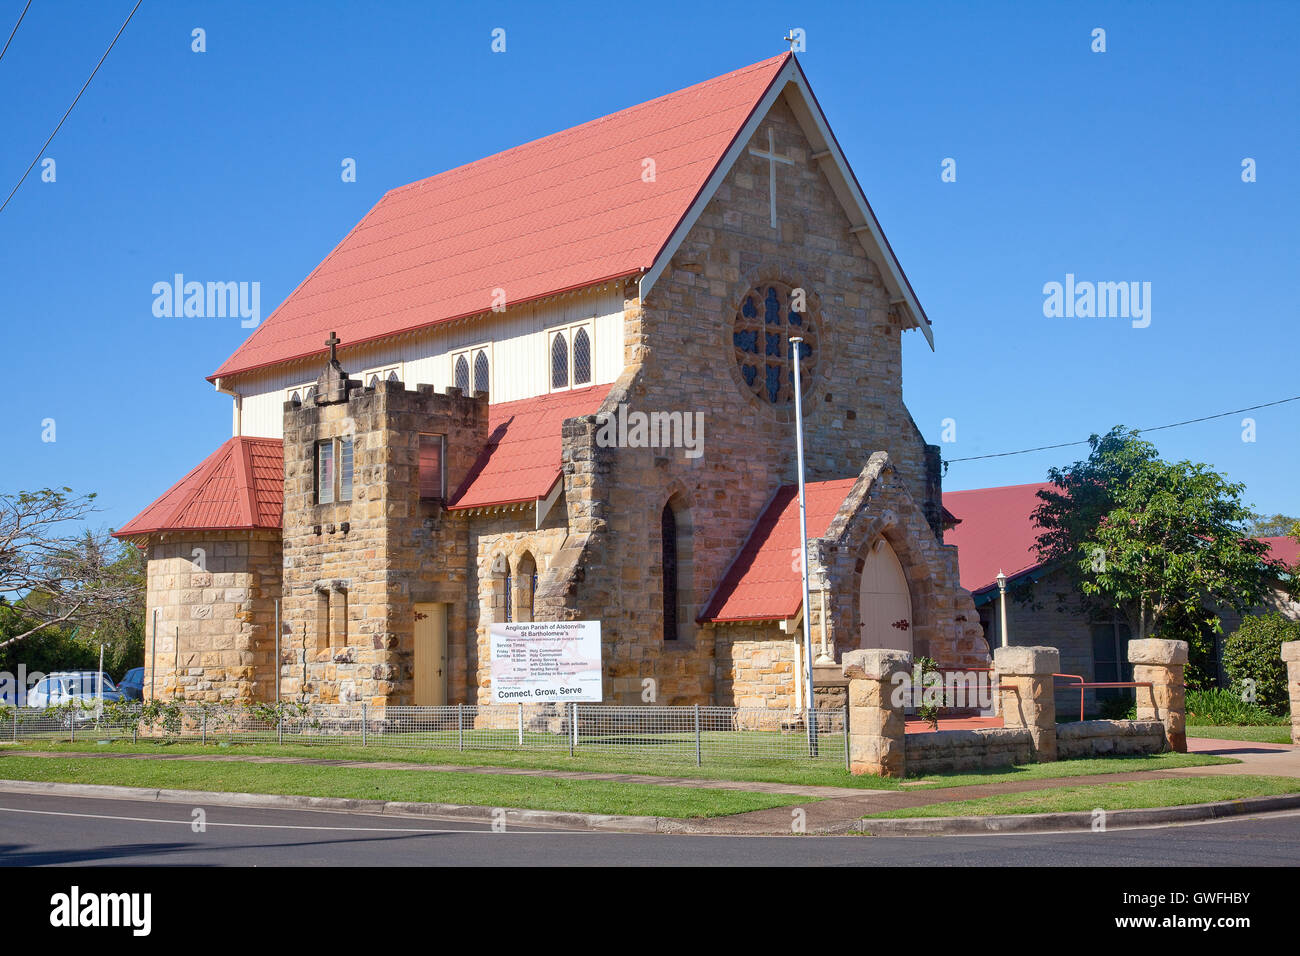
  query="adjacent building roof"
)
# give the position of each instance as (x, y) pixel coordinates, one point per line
(994, 532)
(763, 582)
(239, 486)
(1286, 550)
(522, 459)
(560, 213)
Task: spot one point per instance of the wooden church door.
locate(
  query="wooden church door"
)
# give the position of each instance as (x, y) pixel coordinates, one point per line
(431, 655)
(885, 602)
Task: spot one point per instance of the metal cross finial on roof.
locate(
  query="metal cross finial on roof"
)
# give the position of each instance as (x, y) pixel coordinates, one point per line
(333, 342)
(791, 39)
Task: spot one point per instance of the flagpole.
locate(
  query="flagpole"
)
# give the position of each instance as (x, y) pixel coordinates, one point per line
(797, 349)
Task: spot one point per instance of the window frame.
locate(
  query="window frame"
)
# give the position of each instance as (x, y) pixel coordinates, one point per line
(336, 462)
(383, 371)
(442, 466)
(303, 389)
(470, 353)
(570, 332)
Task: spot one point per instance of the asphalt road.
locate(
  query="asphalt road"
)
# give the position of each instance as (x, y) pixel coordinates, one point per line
(49, 830)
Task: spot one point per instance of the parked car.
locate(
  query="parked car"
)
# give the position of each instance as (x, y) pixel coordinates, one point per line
(83, 686)
(132, 684)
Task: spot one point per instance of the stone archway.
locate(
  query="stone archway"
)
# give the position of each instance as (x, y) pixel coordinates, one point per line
(884, 600)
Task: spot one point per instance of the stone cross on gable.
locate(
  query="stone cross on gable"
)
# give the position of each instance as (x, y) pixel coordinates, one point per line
(772, 160)
(333, 342)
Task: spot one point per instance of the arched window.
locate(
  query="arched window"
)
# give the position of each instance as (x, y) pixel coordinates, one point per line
(560, 360)
(510, 596)
(527, 573)
(462, 373)
(668, 542)
(481, 371)
(392, 376)
(581, 357)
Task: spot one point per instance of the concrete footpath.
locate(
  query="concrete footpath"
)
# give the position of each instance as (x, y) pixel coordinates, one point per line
(828, 810)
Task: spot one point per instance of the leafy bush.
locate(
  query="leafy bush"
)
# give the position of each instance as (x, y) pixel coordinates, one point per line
(1252, 657)
(1225, 708)
(926, 673)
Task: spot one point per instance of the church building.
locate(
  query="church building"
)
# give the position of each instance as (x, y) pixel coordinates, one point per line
(557, 384)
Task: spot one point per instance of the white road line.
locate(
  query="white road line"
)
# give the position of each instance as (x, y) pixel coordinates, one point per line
(274, 826)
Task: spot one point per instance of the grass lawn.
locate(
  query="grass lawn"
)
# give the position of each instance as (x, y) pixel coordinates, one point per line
(769, 770)
(475, 789)
(1110, 796)
(1260, 735)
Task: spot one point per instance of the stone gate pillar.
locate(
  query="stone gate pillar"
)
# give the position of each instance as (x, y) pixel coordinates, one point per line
(1026, 697)
(877, 735)
(1161, 663)
(1291, 654)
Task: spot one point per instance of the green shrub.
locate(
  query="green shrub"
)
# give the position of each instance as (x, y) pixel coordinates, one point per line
(1225, 708)
(1252, 657)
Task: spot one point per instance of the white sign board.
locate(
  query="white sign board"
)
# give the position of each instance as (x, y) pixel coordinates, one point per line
(545, 661)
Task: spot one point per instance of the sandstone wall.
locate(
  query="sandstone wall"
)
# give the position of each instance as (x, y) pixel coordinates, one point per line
(215, 593)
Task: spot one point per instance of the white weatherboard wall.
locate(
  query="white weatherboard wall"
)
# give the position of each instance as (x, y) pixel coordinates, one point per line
(520, 357)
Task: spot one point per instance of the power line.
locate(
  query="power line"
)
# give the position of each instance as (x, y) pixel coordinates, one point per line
(74, 103)
(14, 30)
(1069, 444)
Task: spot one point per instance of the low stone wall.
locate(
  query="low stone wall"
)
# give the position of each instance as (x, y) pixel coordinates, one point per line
(1097, 738)
(950, 751)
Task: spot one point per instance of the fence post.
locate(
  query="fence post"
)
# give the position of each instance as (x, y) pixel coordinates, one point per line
(878, 743)
(1161, 663)
(135, 729)
(847, 761)
(573, 726)
(460, 726)
(203, 728)
(699, 750)
(72, 720)
(1291, 657)
(521, 724)
(364, 721)
(15, 725)
(279, 729)
(1028, 698)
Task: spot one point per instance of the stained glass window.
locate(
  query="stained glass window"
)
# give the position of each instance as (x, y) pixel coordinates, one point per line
(581, 357)
(462, 373)
(560, 361)
(668, 537)
(765, 322)
(481, 371)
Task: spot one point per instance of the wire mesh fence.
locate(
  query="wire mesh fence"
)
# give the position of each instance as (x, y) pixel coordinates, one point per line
(643, 734)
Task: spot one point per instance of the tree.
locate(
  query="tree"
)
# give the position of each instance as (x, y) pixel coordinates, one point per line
(51, 575)
(1272, 526)
(1155, 541)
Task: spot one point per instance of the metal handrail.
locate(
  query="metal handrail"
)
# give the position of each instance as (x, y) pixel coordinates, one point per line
(1083, 685)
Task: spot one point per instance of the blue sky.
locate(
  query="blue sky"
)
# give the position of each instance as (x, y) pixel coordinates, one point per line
(1115, 166)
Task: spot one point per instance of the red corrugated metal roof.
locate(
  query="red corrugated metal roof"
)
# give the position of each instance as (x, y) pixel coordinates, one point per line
(763, 582)
(559, 213)
(522, 459)
(995, 533)
(1286, 550)
(240, 485)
